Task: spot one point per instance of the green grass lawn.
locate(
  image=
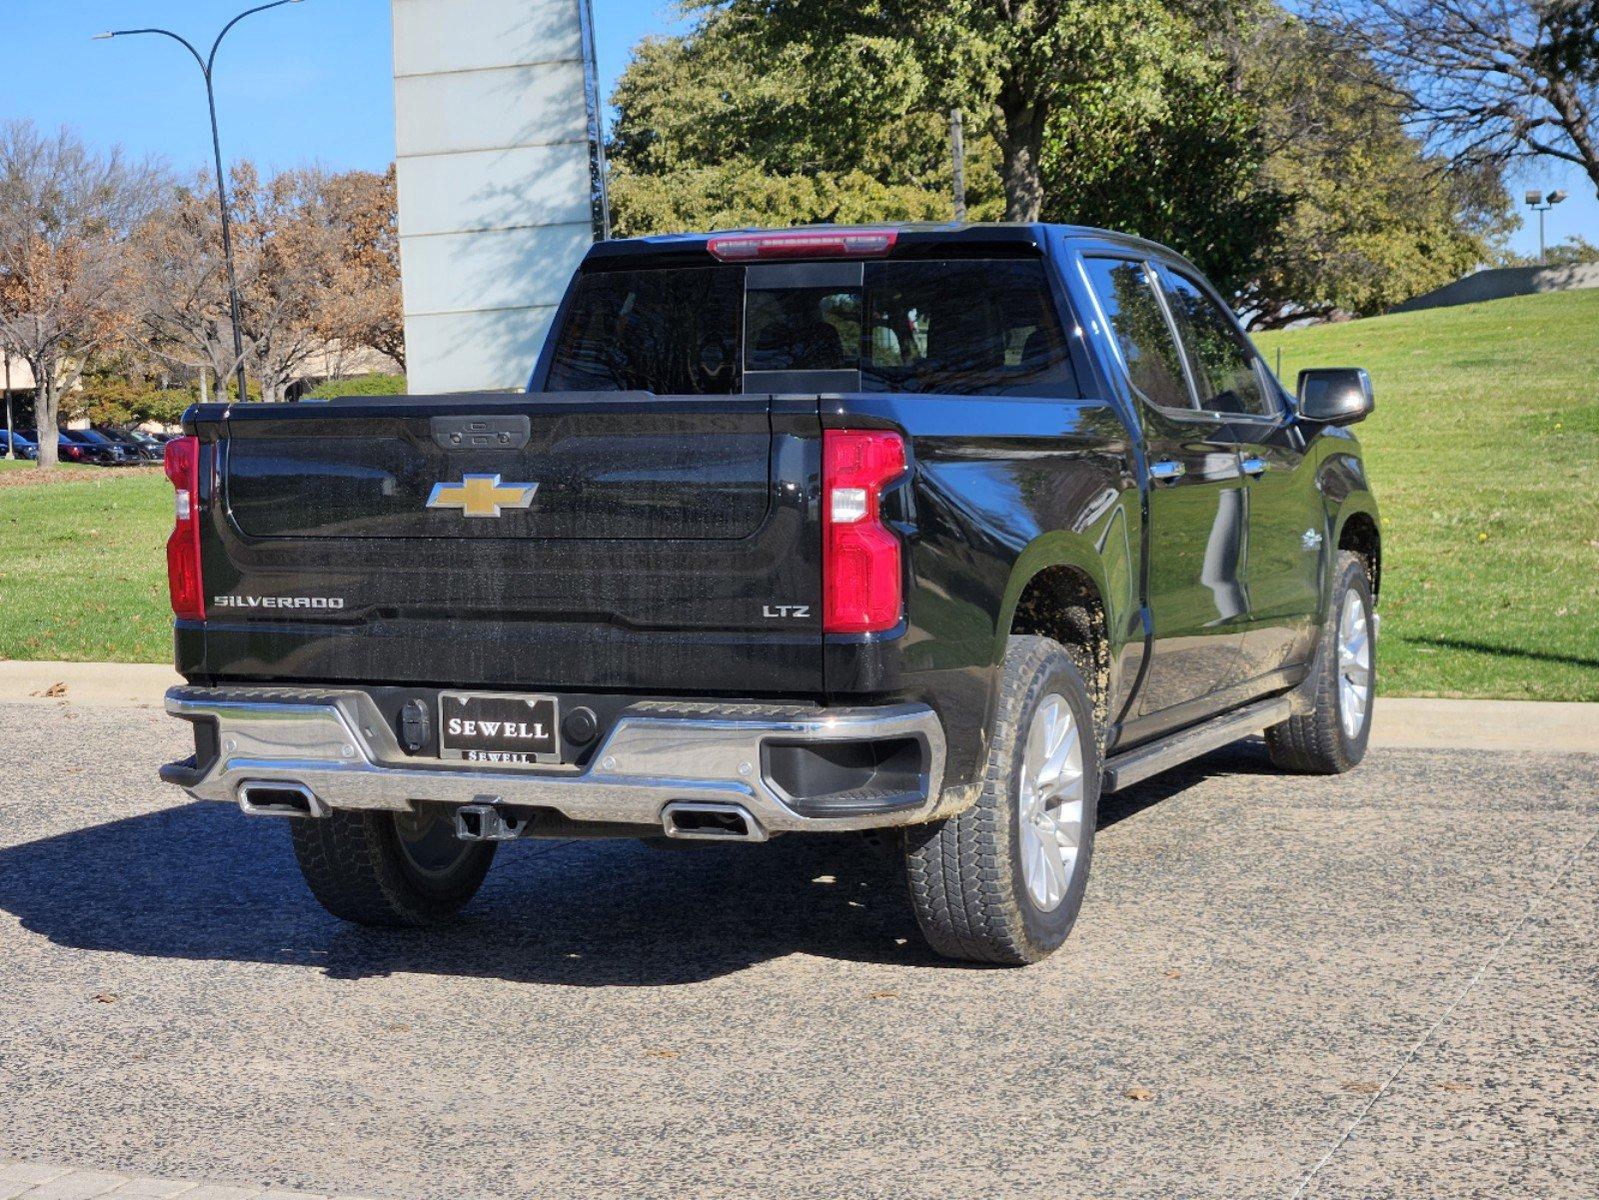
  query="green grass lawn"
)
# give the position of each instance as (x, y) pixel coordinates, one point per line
(83, 569)
(1484, 454)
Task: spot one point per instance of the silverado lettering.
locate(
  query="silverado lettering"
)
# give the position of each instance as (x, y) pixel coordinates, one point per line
(1042, 521)
(327, 602)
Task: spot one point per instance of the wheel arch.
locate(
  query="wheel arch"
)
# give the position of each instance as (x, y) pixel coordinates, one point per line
(1360, 532)
(1062, 590)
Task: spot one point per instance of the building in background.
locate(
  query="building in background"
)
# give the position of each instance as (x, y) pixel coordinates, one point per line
(501, 180)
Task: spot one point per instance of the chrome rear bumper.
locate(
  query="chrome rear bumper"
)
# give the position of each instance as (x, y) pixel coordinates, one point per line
(337, 744)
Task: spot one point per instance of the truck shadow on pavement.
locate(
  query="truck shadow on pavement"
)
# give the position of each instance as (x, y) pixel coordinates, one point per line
(199, 881)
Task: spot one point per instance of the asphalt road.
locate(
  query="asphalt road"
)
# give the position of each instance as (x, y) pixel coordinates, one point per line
(1385, 984)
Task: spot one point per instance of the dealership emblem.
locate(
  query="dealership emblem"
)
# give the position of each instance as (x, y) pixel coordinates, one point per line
(482, 495)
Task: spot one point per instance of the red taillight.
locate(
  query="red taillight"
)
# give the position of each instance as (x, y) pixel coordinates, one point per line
(803, 243)
(862, 591)
(183, 547)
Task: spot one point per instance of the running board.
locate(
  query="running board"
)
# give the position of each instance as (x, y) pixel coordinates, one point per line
(1135, 766)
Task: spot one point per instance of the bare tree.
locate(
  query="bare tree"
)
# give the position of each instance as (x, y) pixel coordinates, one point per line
(65, 217)
(180, 292)
(287, 247)
(1487, 80)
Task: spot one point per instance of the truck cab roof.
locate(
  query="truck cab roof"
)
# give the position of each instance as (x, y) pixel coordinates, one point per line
(906, 240)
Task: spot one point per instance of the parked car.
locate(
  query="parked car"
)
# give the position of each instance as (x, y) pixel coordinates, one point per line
(22, 447)
(71, 450)
(941, 530)
(133, 444)
(94, 448)
(154, 445)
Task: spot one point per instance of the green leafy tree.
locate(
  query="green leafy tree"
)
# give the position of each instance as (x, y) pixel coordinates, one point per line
(761, 117)
(1182, 165)
(1373, 219)
(113, 400)
(805, 110)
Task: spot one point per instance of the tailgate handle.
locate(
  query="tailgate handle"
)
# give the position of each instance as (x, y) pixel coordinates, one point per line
(482, 433)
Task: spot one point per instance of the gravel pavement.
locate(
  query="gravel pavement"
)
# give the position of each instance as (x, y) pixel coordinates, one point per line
(1382, 984)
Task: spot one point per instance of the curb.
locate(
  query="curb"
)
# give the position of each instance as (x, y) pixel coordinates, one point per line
(138, 685)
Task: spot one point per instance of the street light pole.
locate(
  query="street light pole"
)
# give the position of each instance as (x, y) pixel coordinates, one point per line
(957, 153)
(208, 69)
(1540, 205)
(11, 428)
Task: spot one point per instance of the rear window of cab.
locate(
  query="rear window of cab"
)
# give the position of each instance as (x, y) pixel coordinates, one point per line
(974, 327)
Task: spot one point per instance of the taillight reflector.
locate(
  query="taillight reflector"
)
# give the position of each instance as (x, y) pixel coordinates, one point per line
(183, 547)
(862, 586)
(803, 243)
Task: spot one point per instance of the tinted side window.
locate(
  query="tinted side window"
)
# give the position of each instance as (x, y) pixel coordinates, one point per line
(1132, 307)
(980, 328)
(1222, 360)
(672, 332)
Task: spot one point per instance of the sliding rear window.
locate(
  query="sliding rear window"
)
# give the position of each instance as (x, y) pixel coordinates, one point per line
(968, 328)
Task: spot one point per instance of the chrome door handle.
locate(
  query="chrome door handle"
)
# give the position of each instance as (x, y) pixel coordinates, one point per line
(1166, 470)
(1254, 466)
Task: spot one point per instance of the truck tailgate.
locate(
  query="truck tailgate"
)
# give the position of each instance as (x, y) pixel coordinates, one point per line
(571, 541)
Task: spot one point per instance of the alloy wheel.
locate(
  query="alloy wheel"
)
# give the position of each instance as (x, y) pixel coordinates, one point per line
(1051, 816)
(1354, 665)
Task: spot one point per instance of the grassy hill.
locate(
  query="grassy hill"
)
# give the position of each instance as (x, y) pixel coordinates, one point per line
(1484, 453)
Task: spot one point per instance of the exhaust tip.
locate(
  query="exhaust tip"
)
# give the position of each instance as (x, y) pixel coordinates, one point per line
(277, 799)
(711, 822)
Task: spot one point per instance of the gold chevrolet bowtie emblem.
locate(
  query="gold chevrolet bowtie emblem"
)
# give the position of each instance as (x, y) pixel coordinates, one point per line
(482, 495)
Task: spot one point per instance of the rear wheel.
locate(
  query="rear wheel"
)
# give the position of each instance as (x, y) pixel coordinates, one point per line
(1332, 736)
(1003, 881)
(390, 869)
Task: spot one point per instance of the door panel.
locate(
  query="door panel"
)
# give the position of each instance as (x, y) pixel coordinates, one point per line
(1283, 514)
(1198, 598)
(1195, 588)
(1287, 548)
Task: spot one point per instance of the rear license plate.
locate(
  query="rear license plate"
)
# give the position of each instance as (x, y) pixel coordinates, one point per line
(498, 729)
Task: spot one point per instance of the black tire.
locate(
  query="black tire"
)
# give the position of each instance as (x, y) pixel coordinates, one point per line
(966, 877)
(390, 871)
(1316, 743)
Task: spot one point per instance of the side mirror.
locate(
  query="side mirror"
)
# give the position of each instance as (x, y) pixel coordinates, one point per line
(1335, 395)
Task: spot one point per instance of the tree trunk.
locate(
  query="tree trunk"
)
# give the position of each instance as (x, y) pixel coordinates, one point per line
(1021, 143)
(46, 407)
(1574, 120)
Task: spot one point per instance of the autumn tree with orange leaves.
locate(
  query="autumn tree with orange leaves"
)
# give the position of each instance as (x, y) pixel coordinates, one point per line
(66, 217)
(363, 307)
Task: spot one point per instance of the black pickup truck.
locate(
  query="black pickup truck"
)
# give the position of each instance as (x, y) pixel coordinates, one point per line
(940, 529)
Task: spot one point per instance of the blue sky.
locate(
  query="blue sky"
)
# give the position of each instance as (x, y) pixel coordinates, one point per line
(312, 83)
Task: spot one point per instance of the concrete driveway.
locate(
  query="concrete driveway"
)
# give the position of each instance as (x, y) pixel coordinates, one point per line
(1384, 984)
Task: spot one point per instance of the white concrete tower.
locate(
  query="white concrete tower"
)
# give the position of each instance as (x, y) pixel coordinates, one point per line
(500, 179)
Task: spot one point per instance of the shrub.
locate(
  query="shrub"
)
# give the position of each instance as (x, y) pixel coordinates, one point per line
(359, 385)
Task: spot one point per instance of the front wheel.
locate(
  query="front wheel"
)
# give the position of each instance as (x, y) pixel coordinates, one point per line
(1331, 738)
(1003, 881)
(387, 869)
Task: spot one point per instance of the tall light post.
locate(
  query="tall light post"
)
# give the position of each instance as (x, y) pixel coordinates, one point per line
(1540, 205)
(208, 69)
